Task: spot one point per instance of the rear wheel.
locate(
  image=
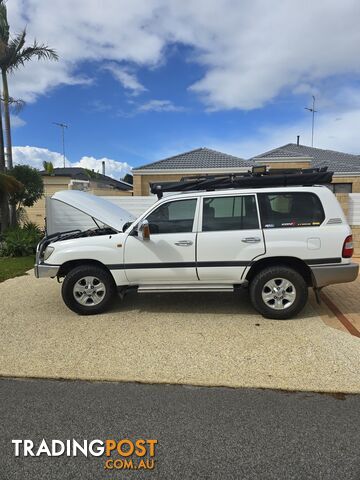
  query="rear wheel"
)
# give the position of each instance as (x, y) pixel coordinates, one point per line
(88, 290)
(278, 292)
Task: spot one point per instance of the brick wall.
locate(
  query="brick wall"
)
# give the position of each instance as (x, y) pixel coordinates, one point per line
(354, 180)
(343, 199)
(304, 164)
(36, 213)
(141, 182)
(356, 238)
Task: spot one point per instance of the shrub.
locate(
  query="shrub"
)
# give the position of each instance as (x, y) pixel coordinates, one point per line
(33, 227)
(20, 241)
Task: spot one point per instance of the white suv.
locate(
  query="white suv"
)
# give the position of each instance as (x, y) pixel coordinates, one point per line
(278, 241)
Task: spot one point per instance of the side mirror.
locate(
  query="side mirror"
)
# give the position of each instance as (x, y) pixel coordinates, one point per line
(144, 229)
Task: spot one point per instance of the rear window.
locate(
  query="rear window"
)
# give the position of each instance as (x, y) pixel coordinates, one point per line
(290, 210)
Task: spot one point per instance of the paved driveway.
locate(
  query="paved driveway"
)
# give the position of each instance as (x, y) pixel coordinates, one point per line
(344, 303)
(200, 339)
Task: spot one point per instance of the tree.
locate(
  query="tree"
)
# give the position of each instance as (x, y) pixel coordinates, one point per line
(4, 206)
(128, 178)
(14, 54)
(48, 167)
(32, 188)
(9, 184)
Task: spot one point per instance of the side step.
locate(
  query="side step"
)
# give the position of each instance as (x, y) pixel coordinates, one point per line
(193, 287)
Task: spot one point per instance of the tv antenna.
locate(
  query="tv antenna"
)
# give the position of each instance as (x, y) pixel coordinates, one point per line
(313, 111)
(62, 126)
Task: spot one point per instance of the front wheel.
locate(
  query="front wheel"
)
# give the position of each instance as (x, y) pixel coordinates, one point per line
(88, 290)
(278, 292)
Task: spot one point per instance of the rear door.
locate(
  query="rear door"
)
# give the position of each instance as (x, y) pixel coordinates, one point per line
(294, 226)
(229, 238)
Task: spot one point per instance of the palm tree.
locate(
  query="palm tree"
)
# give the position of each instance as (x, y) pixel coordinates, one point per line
(4, 205)
(4, 190)
(48, 167)
(14, 54)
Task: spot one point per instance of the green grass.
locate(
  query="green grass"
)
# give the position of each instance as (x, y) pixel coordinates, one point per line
(11, 267)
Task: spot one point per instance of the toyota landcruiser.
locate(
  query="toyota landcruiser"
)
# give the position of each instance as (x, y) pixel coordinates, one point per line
(278, 241)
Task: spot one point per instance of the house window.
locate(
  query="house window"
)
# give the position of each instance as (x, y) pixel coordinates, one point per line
(341, 187)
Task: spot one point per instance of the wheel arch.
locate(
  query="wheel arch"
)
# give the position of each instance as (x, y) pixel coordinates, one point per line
(66, 267)
(292, 262)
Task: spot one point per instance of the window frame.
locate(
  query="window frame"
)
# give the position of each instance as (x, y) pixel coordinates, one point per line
(260, 194)
(172, 200)
(229, 194)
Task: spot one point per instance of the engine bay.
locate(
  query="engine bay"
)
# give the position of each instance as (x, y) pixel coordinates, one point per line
(91, 232)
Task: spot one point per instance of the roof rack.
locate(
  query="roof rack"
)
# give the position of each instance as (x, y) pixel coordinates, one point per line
(259, 176)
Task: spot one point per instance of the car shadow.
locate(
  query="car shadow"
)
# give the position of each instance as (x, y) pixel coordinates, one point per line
(214, 303)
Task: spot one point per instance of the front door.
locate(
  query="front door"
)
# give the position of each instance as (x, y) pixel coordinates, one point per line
(169, 254)
(230, 237)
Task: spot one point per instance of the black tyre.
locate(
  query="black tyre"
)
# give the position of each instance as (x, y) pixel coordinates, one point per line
(88, 290)
(278, 292)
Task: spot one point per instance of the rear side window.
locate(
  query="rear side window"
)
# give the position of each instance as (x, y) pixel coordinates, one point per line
(229, 213)
(289, 210)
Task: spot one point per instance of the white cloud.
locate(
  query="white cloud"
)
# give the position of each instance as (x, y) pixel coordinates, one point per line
(81, 31)
(37, 78)
(35, 156)
(127, 79)
(251, 51)
(16, 121)
(113, 168)
(160, 106)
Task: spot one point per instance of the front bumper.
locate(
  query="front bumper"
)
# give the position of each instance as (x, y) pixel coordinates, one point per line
(328, 274)
(42, 270)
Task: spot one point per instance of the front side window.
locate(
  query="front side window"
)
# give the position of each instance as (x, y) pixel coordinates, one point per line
(286, 210)
(229, 213)
(173, 217)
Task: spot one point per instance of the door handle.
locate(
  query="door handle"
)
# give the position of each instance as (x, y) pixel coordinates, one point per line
(184, 243)
(251, 240)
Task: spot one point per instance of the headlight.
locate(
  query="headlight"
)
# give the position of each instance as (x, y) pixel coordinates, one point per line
(48, 252)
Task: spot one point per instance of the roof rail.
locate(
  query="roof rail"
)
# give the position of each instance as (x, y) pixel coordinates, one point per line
(259, 176)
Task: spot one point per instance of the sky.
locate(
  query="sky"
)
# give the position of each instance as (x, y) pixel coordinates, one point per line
(140, 80)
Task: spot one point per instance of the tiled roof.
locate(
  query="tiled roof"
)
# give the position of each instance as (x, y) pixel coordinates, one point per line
(201, 158)
(279, 153)
(338, 162)
(78, 173)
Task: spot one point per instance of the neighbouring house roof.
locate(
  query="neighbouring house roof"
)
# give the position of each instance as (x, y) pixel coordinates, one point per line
(338, 162)
(279, 153)
(79, 173)
(200, 158)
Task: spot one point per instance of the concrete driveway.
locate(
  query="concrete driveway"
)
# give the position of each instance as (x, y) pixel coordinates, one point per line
(199, 339)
